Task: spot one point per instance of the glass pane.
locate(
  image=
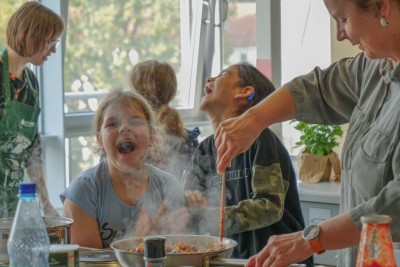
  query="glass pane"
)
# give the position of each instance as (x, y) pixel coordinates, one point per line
(106, 38)
(8, 7)
(301, 22)
(239, 33)
(82, 155)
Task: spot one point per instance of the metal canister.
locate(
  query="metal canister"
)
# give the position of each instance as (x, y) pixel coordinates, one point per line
(64, 255)
(154, 251)
(97, 258)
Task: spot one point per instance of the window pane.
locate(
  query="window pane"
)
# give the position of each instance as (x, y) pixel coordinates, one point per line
(8, 7)
(82, 155)
(106, 38)
(239, 33)
(302, 21)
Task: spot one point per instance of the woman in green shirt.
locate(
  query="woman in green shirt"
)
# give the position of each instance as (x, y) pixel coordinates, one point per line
(33, 32)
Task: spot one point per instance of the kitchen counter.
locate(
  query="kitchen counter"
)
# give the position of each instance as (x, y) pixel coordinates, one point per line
(320, 202)
(324, 192)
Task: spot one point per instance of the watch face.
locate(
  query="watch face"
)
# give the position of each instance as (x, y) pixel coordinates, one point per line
(311, 232)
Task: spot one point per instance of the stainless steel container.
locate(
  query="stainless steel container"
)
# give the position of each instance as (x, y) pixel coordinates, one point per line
(58, 229)
(91, 257)
(127, 258)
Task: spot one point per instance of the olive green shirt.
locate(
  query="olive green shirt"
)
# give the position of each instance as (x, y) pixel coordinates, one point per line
(365, 93)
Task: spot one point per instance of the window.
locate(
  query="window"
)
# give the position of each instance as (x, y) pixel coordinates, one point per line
(7, 9)
(104, 39)
(306, 43)
(232, 37)
(239, 33)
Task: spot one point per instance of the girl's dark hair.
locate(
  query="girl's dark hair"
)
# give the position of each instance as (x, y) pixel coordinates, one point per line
(251, 76)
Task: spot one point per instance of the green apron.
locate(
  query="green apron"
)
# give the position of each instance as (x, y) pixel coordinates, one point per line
(18, 128)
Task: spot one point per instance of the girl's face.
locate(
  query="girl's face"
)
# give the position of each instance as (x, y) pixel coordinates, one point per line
(361, 27)
(49, 48)
(220, 91)
(125, 136)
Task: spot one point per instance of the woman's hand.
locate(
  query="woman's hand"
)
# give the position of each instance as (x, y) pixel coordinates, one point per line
(48, 209)
(236, 135)
(233, 136)
(195, 199)
(36, 174)
(282, 250)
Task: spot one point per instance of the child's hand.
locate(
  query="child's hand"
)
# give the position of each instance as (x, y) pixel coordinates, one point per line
(164, 222)
(195, 199)
(144, 225)
(173, 222)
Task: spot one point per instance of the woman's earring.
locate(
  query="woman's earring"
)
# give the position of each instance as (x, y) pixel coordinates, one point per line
(384, 22)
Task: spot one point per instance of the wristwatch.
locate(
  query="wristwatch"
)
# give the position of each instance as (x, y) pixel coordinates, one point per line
(310, 233)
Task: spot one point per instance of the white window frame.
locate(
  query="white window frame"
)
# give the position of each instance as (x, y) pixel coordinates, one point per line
(56, 125)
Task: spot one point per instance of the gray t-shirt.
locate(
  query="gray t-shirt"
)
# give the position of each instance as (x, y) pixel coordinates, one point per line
(93, 192)
(365, 93)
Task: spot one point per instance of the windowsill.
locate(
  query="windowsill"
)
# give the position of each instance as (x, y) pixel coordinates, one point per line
(324, 192)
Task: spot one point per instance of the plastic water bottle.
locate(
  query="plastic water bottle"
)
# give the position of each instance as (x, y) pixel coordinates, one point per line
(28, 244)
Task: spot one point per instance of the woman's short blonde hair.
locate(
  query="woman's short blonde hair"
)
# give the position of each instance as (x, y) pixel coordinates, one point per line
(31, 26)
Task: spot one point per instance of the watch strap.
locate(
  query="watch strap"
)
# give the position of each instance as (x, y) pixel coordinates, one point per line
(316, 246)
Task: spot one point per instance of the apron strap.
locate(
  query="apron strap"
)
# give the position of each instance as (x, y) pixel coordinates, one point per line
(6, 80)
(6, 76)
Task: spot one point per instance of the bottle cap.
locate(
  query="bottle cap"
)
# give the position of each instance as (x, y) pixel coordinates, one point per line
(154, 247)
(376, 219)
(27, 188)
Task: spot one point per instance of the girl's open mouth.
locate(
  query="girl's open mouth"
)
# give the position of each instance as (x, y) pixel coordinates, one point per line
(126, 147)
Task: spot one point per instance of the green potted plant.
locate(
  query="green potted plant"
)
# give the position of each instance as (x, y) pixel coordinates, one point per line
(317, 159)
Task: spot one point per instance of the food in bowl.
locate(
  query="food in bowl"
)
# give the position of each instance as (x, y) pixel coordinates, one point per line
(181, 248)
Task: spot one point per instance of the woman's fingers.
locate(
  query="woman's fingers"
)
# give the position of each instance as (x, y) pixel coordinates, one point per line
(227, 148)
(251, 262)
(281, 250)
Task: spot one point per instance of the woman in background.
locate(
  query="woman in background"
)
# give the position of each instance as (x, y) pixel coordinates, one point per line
(156, 81)
(261, 187)
(33, 33)
(124, 196)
